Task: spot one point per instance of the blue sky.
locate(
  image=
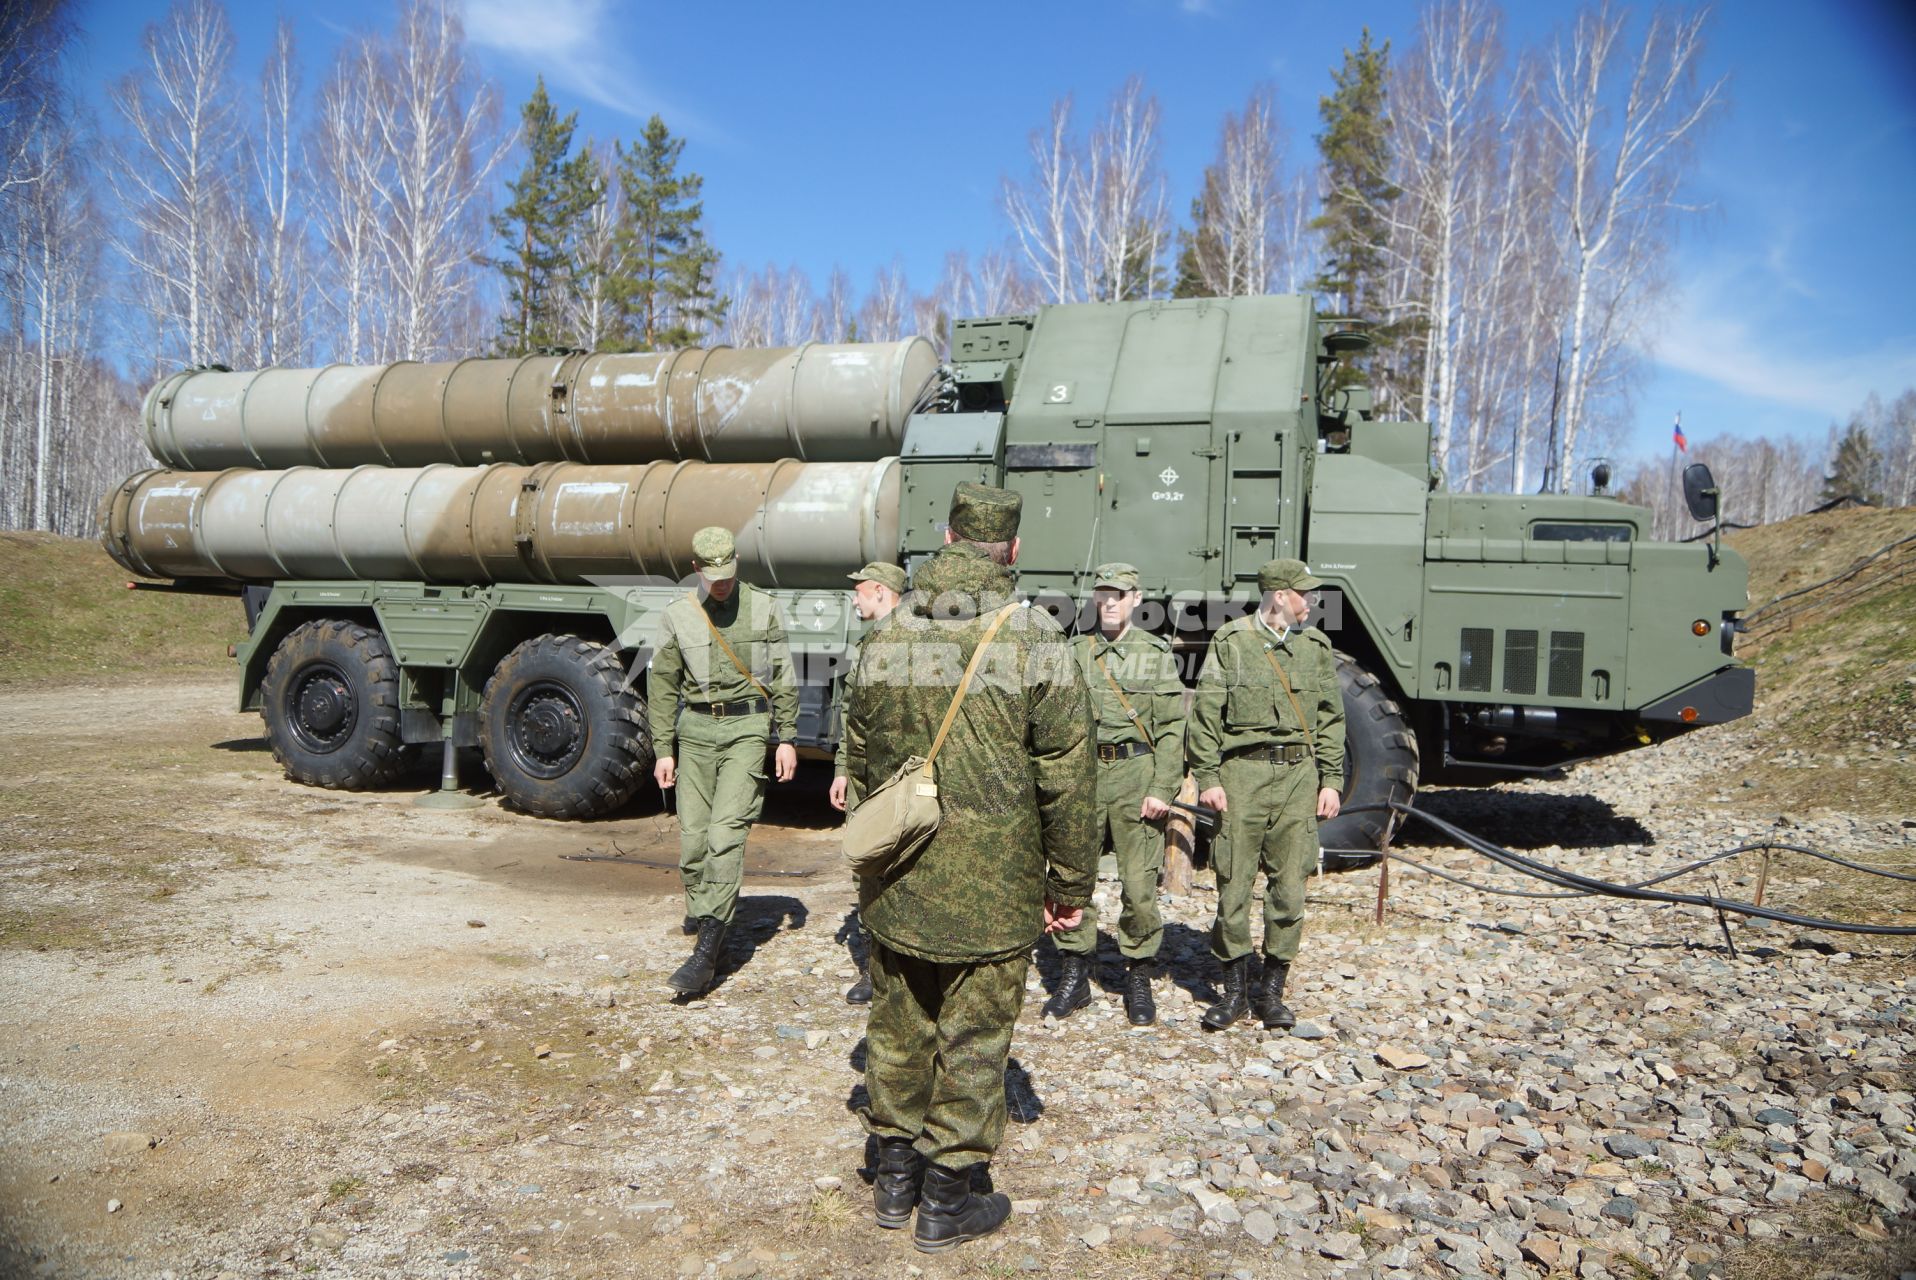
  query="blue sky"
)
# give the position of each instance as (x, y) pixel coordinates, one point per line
(859, 133)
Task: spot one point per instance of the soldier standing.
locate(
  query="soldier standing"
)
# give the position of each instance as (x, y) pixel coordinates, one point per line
(1015, 856)
(1137, 704)
(880, 586)
(1267, 750)
(722, 654)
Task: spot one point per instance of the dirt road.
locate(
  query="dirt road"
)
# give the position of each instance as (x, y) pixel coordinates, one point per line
(257, 1029)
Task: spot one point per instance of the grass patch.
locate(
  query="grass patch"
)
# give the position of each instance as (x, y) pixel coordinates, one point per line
(1833, 1234)
(65, 614)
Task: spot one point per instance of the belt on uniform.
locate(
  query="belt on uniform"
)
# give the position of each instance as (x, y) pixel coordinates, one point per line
(1290, 753)
(1122, 750)
(724, 710)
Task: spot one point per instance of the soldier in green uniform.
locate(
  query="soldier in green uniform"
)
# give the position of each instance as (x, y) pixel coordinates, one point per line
(722, 655)
(880, 587)
(1266, 743)
(1137, 703)
(1014, 857)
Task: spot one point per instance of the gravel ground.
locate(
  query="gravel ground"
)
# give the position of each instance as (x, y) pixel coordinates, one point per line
(315, 1034)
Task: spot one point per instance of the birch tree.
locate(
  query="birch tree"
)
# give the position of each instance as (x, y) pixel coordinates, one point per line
(1118, 206)
(174, 176)
(271, 259)
(597, 255)
(1040, 209)
(344, 199)
(1245, 221)
(435, 122)
(1622, 124)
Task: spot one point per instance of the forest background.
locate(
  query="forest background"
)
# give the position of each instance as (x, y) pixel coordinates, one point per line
(1503, 215)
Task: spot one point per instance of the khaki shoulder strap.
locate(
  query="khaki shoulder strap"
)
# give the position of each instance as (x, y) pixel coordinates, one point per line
(720, 637)
(964, 683)
(1283, 679)
(1116, 688)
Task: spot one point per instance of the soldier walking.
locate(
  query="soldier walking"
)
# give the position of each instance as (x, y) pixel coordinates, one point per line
(1015, 856)
(1266, 743)
(722, 655)
(1137, 704)
(880, 586)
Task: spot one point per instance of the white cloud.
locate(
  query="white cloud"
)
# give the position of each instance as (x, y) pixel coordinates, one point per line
(577, 46)
(1710, 337)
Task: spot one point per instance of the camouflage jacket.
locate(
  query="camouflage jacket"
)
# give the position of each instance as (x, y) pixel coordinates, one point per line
(839, 767)
(1017, 778)
(1140, 664)
(1241, 702)
(689, 664)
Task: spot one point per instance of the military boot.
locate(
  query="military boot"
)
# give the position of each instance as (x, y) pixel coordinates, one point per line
(1270, 996)
(1237, 997)
(689, 926)
(861, 990)
(696, 974)
(949, 1214)
(1139, 1008)
(895, 1181)
(1074, 987)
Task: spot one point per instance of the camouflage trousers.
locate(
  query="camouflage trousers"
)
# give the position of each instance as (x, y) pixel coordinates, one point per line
(1139, 848)
(935, 1045)
(1270, 824)
(721, 788)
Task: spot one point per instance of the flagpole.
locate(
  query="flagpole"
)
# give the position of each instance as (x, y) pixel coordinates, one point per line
(1676, 430)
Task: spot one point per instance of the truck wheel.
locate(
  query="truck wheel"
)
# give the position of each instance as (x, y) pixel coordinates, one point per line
(331, 704)
(1380, 767)
(563, 736)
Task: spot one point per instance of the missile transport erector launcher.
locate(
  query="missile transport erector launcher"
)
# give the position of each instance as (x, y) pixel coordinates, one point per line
(477, 553)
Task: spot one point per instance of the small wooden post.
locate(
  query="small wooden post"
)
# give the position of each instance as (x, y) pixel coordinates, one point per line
(1383, 880)
(1763, 876)
(1180, 840)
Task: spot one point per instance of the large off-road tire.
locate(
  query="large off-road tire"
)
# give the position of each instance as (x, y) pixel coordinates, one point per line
(331, 704)
(563, 735)
(1380, 767)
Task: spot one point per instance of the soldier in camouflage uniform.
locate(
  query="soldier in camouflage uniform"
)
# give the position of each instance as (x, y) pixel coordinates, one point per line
(1266, 742)
(1015, 856)
(880, 587)
(1137, 703)
(722, 655)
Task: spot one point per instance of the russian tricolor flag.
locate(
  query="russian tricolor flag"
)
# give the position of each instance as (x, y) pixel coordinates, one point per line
(1676, 435)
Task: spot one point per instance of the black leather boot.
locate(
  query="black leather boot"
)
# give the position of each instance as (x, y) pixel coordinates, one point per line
(1139, 1008)
(695, 975)
(1270, 996)
(1237, 995)
(1074, 987)
(949, 1214)
(895, 1181)
(689, 926)
(861, 990)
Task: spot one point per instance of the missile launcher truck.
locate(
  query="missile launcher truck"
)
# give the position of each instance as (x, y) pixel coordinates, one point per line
(478, 553)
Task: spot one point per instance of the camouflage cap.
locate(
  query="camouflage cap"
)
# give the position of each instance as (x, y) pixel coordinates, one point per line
(1286, 575)
(1118, 576)
(980, 513)
(885, 575)
(715, 552)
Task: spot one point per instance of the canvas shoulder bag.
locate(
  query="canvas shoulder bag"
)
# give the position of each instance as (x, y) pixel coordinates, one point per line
(899, 816)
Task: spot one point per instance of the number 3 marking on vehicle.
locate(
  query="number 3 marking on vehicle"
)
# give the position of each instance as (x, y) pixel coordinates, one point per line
(1059, 394)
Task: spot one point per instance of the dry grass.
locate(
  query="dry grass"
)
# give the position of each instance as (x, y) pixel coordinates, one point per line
(66, 614)
(1833, 1234)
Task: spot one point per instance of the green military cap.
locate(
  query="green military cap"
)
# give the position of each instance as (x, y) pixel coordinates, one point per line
(715, 552)
(1286, 575)
(885, 575)
(1118, 576)
(980, 513)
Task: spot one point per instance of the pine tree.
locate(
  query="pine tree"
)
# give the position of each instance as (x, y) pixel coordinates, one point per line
(1193, 243)
(666, 293)
(1856, 470)
(1355, 148)
(548, 198)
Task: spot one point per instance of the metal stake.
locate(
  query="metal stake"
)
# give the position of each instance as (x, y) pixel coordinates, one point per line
(449, 796)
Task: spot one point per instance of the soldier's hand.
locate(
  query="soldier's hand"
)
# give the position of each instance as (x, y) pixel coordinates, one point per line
(785, 761)
(839, 787)
(1213, 798)
(666, 773)
(1057, 919)
(1328, 802)
(1152, 809)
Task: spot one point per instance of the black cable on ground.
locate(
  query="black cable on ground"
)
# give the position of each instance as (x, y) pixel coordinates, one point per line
(1571, 880)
